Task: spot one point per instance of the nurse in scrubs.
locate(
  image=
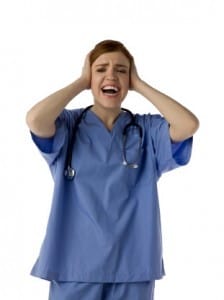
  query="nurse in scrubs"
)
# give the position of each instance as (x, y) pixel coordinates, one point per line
(103, 239)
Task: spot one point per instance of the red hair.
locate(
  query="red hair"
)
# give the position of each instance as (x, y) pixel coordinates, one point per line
(109, 46)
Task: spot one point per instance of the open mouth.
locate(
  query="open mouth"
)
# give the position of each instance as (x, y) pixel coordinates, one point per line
(110, 90)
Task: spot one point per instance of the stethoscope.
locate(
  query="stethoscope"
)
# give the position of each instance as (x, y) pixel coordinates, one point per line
(70, 172)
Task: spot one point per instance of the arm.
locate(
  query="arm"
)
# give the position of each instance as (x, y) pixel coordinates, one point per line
(183, 123)
(41, 117)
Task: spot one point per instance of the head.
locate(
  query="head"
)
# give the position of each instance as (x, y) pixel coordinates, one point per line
(109, 46)
(110, 63)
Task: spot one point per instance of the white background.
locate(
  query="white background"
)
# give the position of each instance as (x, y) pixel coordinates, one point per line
(178, 49)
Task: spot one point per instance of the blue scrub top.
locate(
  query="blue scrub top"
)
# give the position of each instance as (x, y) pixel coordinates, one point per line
(104, 226)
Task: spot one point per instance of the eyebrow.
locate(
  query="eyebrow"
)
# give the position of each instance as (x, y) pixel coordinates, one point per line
(106, 64)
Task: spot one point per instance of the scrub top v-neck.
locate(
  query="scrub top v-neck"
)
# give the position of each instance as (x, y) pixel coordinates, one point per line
(104, 226)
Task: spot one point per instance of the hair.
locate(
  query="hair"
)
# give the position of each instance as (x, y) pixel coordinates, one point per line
(109, 46)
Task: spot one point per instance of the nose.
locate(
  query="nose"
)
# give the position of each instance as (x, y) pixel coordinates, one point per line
(111, 74)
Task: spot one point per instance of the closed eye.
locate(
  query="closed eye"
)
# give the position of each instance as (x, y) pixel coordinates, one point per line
(101, 70)
(122, 71)
(118, 70)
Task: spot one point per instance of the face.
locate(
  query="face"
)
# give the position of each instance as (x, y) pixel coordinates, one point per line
(110, 79)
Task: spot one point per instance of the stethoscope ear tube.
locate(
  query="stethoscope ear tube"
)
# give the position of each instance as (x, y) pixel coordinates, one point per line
(132, 165)
(69, 171)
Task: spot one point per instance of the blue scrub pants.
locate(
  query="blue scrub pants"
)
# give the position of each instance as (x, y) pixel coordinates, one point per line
(101, 291)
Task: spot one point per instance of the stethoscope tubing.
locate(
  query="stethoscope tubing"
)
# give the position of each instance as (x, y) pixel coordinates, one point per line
(69, 171)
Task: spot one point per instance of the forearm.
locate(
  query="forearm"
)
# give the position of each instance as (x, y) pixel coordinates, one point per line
(41, 117)
(183, 123)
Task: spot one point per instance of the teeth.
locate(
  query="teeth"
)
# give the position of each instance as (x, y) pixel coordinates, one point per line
(109, 87)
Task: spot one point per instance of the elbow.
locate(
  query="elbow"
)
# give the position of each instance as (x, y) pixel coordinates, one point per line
(38, 126)
(32, 120)
(185, 130)
(29, 119)
(193, 125)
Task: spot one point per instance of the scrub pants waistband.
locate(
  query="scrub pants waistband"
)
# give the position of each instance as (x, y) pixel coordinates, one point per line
(101, 291)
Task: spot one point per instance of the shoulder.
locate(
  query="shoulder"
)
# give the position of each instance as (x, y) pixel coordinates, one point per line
(70, 113)
(68, 116)
(150, 120)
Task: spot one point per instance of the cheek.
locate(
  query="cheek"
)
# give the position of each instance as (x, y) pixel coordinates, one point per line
(126, 82)
(95, 85)
(93, 81)
(95, 77)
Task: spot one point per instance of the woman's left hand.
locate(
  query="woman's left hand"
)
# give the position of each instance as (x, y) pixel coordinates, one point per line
(134, 77)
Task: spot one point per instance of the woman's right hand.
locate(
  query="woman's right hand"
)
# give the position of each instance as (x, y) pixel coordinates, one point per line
(86, 72)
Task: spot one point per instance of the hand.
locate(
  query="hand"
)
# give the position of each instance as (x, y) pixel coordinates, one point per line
(86, 72)
(134, 77)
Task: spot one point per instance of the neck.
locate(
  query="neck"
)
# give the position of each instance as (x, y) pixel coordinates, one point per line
(108, 116)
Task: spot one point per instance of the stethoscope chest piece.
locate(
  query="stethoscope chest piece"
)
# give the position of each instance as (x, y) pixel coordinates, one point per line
(132, 166)
(69, 173)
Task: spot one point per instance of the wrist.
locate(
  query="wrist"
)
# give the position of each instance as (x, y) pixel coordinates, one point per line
(138, 85)
(83, 83)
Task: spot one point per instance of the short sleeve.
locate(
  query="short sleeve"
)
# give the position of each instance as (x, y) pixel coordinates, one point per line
(168, 155)
(50, 148)
(43, 144)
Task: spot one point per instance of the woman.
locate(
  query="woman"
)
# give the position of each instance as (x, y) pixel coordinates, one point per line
(103, 239)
